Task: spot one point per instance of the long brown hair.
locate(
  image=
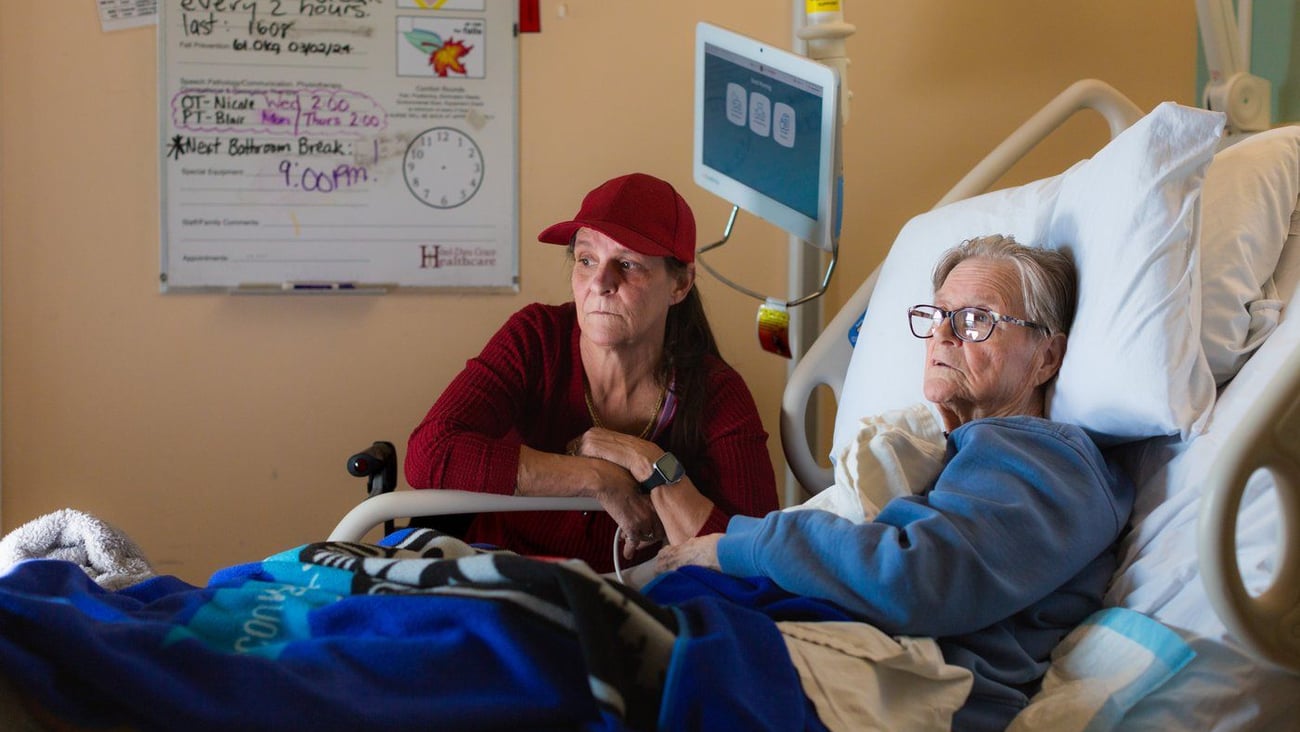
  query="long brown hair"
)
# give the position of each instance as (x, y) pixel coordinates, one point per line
(688, 342)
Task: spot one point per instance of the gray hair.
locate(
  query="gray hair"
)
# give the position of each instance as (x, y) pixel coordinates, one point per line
(1048, 279)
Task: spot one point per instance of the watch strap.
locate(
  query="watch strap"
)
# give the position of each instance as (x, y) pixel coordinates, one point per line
(667, 469)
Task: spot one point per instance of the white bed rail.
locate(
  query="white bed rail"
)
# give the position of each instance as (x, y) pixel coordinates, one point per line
(824, 364)
(827, 359)
(1118, 111)
(1268, 438)
(404, 503)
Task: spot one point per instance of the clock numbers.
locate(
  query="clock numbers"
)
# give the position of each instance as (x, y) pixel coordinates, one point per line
(443, 167)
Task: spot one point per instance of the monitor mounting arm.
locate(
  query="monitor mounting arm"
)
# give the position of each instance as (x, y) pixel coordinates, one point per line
(1232, 89)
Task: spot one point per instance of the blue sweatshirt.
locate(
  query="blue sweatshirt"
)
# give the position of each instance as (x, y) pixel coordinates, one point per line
(1009, 550)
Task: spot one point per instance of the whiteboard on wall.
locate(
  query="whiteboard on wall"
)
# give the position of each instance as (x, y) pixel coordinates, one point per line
(338, 145)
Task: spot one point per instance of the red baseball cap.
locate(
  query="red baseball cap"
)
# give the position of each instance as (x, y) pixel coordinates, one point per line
(640, 212)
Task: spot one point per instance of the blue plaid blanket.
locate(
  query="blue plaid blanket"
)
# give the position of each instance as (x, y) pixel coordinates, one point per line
(420, 632)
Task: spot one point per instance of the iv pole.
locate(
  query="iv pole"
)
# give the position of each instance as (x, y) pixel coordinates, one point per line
(819, 35)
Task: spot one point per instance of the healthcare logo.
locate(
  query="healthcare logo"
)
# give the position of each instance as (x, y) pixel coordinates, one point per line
(437, 256)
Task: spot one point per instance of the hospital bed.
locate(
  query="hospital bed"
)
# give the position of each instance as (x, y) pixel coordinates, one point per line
(1179, 565)
(1186, 363)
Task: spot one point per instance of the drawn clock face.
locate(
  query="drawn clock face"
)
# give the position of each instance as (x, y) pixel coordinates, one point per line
(443, 167)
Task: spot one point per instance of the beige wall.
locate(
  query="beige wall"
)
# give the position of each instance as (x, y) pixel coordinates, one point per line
(213, 429)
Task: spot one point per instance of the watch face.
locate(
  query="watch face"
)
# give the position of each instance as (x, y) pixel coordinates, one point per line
(443, 167)
(672, 469)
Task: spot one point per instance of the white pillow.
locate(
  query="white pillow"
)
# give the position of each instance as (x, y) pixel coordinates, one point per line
(1286, 279)
(1249, 196)
(1134, 366)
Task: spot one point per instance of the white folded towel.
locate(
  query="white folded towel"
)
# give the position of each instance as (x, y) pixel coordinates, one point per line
(897, 453)
(106, 555)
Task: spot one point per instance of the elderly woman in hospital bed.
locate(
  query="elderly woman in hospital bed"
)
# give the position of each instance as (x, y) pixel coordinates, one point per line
(620, 395)
(1011, 545)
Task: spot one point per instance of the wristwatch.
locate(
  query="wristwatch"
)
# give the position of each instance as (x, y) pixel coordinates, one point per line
(666, 470)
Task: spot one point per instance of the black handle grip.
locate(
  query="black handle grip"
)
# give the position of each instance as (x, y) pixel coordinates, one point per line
(373, 460)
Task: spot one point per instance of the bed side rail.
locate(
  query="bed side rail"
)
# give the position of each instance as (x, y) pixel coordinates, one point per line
(827, 359)
(1118, 111)
(399, 504)
(1268, 438)
(825, 363)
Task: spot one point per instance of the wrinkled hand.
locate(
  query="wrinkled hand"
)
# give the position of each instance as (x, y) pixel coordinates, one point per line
(634, 516)
(630, 453)
(619, 493)
(700, 551)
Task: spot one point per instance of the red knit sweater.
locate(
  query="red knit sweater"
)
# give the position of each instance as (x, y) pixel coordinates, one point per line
(526, 387)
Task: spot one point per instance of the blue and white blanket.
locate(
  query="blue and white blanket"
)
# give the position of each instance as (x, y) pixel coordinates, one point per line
(424, 632)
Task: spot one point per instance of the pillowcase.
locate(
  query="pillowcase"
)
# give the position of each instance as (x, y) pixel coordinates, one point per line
(1251, 190)
(1286, 279)
(1134, 366)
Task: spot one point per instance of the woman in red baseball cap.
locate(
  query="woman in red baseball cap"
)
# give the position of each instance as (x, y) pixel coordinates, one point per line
(620, 394)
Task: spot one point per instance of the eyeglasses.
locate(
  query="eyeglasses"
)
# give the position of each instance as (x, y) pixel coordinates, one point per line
(970, 324)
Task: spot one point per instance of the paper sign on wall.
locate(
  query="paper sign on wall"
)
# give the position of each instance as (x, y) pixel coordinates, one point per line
(331, 145)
